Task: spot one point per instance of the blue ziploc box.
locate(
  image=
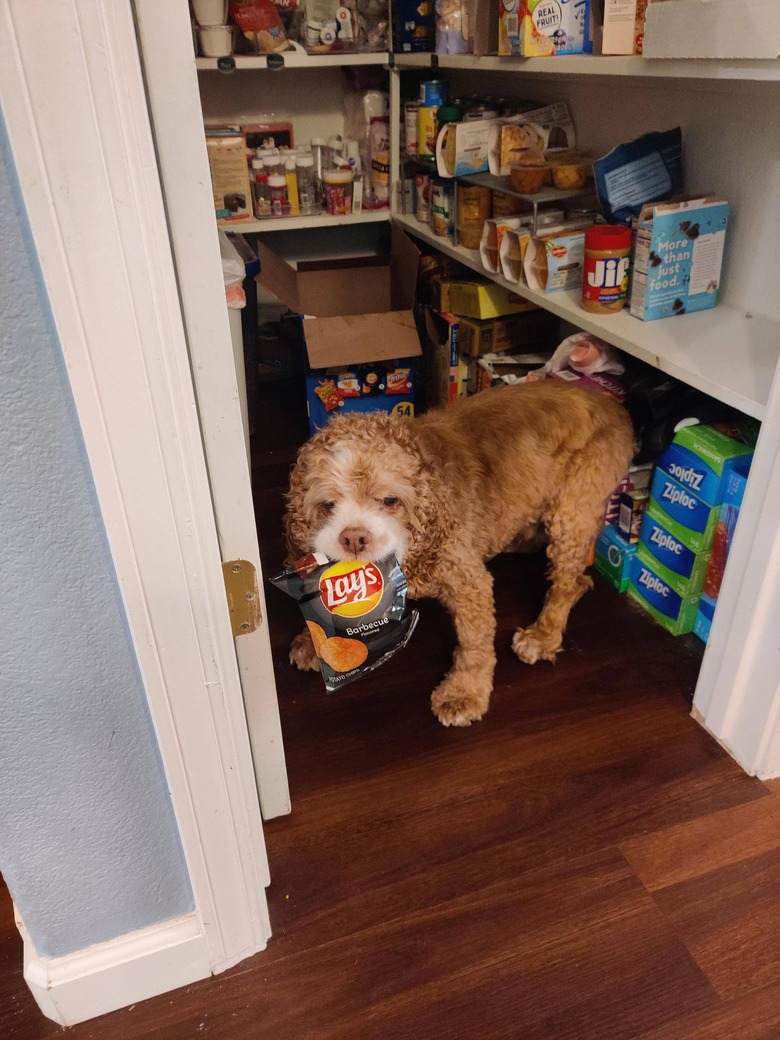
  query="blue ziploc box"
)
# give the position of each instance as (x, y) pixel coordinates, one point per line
(672, 560)
(613, 557)
(687, 517)
(676, 613)
(678, 257)
(701, 458)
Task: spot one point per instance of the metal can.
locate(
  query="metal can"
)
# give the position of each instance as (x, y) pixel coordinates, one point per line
(411, 109)
(433, 92)
(422, 188)
(441, 201)
(426, 131)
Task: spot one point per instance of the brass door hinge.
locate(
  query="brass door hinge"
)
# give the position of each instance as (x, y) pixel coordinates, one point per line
(242, 596)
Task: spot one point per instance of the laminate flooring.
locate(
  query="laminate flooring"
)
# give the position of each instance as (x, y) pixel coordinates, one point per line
(585, 863)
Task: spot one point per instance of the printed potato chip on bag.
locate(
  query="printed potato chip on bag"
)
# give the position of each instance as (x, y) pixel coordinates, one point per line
(355, 611)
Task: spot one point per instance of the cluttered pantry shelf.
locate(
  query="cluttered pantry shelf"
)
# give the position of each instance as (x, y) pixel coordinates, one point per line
(600, 65)
(292, 59)
(724, 352)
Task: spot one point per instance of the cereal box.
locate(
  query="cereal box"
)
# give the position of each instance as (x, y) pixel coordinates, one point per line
(678, 257)
(541, 27)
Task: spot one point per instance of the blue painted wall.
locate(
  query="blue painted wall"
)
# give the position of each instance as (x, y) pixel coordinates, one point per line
(89, 845)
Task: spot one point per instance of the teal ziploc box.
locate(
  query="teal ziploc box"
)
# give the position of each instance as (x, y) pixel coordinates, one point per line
(680, 567)
(613, 556)
(701, 458)
(678, 257)
(685, 516)
(676, 613)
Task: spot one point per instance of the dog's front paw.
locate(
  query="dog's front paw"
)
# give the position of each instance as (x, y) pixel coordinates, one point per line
(457, 702)
(302, 653)
(530, 646)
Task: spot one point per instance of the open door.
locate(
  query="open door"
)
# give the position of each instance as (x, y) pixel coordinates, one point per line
(165, 42)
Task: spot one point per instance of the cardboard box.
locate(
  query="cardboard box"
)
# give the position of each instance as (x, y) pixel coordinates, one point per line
(533, 330)
(689, 519)
(632, 508)
(678, 257)
(613, 557)
(676, 613)
(701, 459)
(716, 29)
(534, 28)
(472, 299)
(676, 564)
(447, 372)
(361, 320)
(226, 148)
(623, 26)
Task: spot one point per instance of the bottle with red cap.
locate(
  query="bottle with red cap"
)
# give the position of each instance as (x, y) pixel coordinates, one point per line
(605, 270)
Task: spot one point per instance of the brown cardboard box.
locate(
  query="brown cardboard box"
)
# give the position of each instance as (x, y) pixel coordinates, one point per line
(358, 309)
(226, 147)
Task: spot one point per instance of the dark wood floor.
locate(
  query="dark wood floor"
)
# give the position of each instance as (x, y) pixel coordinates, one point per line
(586, 863)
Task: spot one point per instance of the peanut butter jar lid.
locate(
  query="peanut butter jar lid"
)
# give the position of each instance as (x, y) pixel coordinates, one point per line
(605, 237)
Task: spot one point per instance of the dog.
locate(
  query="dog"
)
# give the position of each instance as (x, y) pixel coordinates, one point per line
(511, 468)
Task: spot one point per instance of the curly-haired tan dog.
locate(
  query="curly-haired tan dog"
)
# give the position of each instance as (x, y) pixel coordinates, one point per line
(502, 470)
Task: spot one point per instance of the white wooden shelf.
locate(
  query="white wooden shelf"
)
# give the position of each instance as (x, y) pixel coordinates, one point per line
(367, 216)
(293, 59)
(602, 65)
(723, 352)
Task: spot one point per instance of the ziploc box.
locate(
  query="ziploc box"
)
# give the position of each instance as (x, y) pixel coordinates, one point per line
(701, 459)
(678, 257)
(676, 613)
(721, 545)
(673, 562)
(685, 516)
(613, 557)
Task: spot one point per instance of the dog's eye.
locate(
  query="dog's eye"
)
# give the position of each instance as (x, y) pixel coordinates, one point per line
(390, 501)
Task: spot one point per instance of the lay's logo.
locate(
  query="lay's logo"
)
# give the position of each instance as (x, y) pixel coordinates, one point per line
(351, 588)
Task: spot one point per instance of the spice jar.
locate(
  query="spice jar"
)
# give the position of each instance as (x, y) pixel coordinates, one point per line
(308, 186)
(605, 270)
(278, 188)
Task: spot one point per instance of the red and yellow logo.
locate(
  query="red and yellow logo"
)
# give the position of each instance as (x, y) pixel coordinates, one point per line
(351, 588)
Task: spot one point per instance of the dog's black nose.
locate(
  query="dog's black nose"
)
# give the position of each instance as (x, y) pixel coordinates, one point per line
(355, 540)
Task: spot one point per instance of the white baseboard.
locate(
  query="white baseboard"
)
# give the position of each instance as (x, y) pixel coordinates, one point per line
(114, 974)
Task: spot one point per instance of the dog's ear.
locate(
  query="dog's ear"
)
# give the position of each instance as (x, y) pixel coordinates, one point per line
(297, 524)
(432, 517)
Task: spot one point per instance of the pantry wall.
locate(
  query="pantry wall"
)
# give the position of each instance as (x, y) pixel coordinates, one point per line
(729, 113)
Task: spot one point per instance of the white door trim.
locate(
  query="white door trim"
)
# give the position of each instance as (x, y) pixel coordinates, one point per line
(738, 695)
(168, 61)
(77, 118)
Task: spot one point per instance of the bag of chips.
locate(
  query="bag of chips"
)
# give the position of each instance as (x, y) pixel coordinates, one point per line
(356, 613)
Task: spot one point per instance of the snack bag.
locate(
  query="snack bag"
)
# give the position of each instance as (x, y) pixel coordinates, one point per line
(356, 613)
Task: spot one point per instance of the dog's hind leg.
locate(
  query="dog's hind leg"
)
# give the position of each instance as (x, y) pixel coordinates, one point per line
(570, 540)
(463, 696)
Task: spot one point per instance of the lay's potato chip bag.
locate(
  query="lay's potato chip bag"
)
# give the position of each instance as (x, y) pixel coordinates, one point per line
(355, 611)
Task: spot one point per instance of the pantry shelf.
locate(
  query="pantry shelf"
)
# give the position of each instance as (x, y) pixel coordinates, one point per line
(367, 216)
(601, 65)
(723, 352)
(293, 59)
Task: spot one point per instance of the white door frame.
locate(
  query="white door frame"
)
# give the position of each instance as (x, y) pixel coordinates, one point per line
(167, 57)
(77, 117)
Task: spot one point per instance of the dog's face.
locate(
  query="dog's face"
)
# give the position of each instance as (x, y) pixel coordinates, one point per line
(354, 492)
